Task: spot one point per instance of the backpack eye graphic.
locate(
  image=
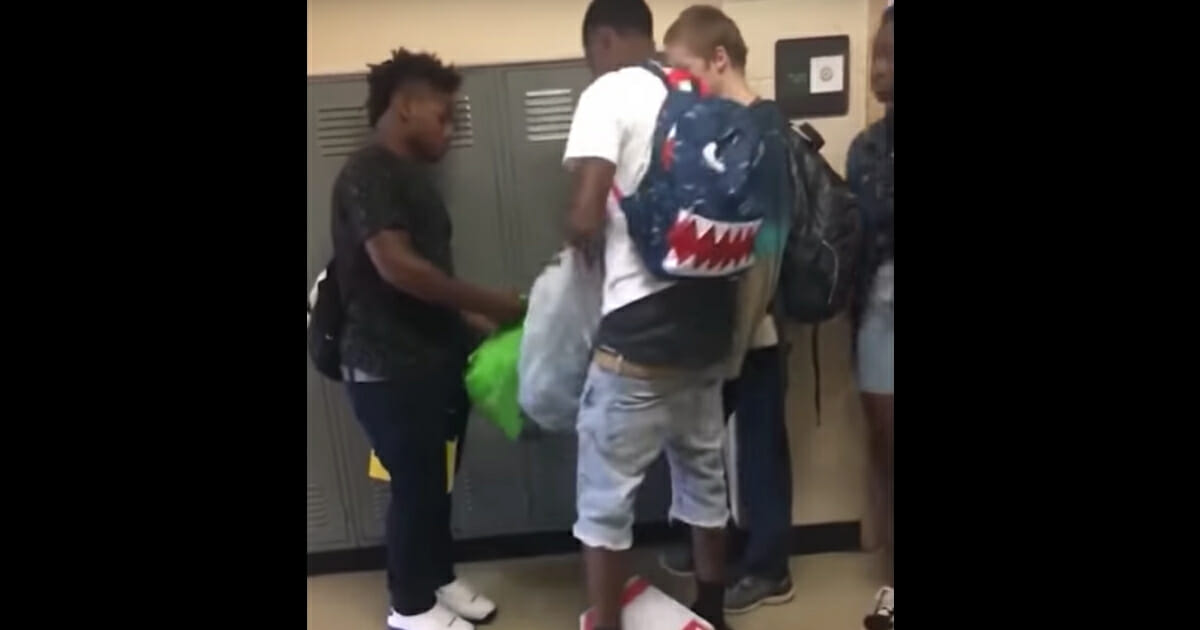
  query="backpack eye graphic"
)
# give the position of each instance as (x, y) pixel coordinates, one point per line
(711, 159)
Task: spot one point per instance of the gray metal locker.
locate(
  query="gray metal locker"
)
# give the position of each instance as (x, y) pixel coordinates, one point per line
(539, 102)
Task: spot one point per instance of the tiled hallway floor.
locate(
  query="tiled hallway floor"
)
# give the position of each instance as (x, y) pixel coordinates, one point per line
(833, 592)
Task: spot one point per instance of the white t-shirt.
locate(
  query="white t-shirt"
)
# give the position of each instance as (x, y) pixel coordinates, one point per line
(615, 121)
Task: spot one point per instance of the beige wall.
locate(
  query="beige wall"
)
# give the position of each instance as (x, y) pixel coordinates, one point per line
(344, 35)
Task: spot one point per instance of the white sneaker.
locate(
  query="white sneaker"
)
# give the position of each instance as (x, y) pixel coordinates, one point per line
(883, 615)
(436, 618)
(459, 597)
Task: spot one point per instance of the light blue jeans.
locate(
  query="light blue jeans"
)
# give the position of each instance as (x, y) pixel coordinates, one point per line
(624, 423)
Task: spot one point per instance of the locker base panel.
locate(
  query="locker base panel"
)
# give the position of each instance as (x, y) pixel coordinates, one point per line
(806, 539)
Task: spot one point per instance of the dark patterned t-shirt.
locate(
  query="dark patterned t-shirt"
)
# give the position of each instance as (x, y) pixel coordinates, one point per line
(388, 332)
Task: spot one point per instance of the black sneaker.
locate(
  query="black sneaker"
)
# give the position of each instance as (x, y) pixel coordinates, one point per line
(883, 616)
(677, 561)
(751, 591)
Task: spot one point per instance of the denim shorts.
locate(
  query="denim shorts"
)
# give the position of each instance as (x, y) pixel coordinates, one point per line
(624, 423)
(875, 365)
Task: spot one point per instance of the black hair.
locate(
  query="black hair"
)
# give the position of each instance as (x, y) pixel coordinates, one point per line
(402, 69)
(887, 15)
(623, 16)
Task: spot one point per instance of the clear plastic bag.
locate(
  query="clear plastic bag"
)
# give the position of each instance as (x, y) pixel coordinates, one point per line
(560, 326)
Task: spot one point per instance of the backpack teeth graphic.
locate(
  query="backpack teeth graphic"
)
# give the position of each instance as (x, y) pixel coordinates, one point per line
(702, 247)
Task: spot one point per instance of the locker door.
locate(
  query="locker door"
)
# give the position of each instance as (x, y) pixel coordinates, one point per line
(329, 507)
(468, 178)
(539, 102)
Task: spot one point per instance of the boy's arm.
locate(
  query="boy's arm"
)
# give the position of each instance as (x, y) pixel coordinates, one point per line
(589, 202)
(593, 148)
(401, 266)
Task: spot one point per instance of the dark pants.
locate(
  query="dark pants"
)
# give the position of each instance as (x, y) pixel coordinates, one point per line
(408, 422)
(764, 462)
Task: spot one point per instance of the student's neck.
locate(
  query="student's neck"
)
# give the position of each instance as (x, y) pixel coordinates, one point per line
(388, 139)
(738, 91)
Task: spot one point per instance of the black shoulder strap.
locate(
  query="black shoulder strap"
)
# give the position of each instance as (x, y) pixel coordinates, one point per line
(814, 138)
(654, 68)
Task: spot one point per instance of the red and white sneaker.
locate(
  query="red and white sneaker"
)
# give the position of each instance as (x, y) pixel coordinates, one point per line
(644, 607)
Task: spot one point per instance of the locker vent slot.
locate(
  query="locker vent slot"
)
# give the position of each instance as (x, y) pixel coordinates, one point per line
(548, 114)
(383, 494)
(318, 509)
(341, 129)
(464, 132)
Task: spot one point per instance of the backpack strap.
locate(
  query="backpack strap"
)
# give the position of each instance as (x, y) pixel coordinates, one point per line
(654, 68)
(675, 79)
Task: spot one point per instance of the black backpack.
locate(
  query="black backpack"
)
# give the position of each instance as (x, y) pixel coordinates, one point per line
(817, 276)
(325, 317)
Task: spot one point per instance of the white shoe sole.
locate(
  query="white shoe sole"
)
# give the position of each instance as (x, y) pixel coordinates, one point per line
(489, 618)
(486, 620)
(662, 562)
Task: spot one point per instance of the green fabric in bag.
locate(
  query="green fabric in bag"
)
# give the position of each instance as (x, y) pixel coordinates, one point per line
(491, 380)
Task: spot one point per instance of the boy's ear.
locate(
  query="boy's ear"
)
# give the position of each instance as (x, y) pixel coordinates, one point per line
(402, 104)
(720, 58)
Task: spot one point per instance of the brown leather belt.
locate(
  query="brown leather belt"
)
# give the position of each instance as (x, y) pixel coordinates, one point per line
(615, 364)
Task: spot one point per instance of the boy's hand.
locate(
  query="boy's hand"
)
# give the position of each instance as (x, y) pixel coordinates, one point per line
(589, 252)
(509, 308)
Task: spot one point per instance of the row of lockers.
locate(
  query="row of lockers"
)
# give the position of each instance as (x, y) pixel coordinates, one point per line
(507, 193)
